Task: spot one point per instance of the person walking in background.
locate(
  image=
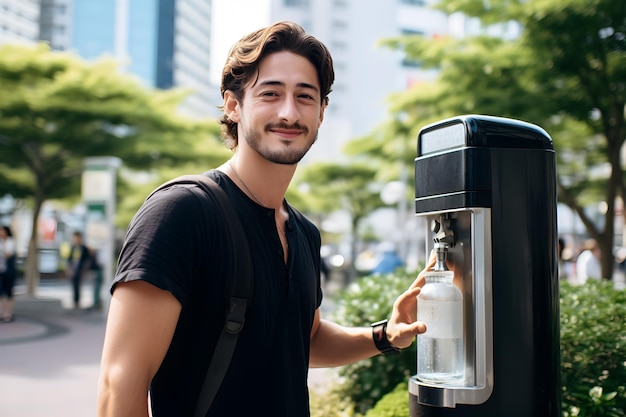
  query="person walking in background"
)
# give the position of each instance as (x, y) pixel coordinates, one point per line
(176, 264)
(8, 274)
(77, 263)
(95, 265)
(588, 262)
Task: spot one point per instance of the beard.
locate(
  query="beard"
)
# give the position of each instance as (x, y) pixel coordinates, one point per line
(293, 153)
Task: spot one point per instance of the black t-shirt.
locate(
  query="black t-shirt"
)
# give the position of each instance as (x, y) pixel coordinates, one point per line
(178, 241)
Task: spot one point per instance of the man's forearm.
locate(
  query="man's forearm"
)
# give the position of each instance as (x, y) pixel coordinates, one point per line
(121, 401)
(335, 345)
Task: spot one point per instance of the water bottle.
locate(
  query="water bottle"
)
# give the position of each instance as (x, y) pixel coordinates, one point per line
(440, 306)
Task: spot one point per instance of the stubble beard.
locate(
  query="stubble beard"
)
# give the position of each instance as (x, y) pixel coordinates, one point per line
(290, 156)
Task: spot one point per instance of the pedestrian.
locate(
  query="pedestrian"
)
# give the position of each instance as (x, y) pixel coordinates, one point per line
(588, 262)
(95, 266)
(166, 314)
(78, 262)
(8, 274)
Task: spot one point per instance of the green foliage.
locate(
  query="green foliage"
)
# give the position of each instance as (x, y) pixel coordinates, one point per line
(394, 404)
(56, 110)
(366, 301)
(593, 349)
(332, 186)
(564, 70)
(331, 404)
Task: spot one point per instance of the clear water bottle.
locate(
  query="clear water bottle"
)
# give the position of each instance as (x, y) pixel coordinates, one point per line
(440, 306)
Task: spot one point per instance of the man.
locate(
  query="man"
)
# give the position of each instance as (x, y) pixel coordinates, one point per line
(77, 263)
(165, 314)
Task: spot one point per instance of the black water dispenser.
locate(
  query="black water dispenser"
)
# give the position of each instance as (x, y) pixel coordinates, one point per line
(486, 188)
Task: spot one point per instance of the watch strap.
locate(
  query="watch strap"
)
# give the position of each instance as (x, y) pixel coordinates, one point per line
(379, 334)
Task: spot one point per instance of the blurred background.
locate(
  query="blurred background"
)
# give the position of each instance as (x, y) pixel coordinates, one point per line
(138, 81)
(102, 100)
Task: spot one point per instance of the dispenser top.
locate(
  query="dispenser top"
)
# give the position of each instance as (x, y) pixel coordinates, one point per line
(481, 131)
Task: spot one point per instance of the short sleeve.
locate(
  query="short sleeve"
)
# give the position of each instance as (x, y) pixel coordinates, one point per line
(161, 243)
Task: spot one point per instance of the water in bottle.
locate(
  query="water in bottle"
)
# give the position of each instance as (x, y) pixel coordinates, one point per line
(440, 349)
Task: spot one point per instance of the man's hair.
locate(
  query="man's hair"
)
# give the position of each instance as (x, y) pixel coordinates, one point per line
(245, 56)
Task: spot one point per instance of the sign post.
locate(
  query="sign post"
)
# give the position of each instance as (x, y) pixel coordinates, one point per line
(98, 194)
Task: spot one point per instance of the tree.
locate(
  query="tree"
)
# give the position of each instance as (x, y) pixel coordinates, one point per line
(334, 186)
(56, 110)
(566, 72)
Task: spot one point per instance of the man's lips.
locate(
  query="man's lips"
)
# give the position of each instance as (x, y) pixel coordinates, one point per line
(286, 132)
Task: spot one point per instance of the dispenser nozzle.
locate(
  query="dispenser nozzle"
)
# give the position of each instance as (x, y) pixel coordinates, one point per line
(443, 230)
(441, 252)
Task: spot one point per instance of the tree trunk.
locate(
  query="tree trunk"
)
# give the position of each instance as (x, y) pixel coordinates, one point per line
(606, 258)
(31, 275)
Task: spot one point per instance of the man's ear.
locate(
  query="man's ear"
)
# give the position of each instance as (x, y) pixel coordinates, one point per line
(231, 106)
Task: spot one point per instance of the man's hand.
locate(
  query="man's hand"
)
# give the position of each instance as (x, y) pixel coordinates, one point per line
(403, 325)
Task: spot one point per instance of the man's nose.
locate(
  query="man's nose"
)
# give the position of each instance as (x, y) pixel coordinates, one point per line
(288, 110)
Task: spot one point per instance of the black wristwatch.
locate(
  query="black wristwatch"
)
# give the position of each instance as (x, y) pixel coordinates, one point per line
(379, 334)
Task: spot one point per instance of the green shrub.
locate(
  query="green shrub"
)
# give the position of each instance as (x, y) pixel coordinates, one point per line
(593, 346)
(368, 300)
(593, 349)
(394, 404)
(331, 404)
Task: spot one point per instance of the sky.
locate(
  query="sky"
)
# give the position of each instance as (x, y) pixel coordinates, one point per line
(231, 20)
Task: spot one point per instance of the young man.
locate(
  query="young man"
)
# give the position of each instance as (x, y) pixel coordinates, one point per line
(166, 310)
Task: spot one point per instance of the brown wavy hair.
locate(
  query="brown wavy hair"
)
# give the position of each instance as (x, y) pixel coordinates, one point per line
(245, 56)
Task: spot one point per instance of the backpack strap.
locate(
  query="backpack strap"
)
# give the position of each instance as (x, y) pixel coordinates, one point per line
(241, 290)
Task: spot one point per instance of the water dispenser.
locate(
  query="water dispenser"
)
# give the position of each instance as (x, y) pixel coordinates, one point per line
(486, 188)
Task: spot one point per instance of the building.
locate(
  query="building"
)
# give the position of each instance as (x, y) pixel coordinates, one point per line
(180, 43)
(166, 43)
(19, 21)
(55, 23)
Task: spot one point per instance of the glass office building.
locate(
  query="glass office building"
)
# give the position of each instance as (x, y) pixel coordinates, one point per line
(19, 21)
(166, 43)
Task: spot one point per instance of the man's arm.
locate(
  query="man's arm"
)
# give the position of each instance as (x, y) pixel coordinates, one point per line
(335, 345)
(140, 325)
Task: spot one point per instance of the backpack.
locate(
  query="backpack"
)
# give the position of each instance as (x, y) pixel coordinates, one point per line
(241, 289)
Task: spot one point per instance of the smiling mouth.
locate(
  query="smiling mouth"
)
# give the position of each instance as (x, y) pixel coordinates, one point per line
(287, 131)
(290, 132)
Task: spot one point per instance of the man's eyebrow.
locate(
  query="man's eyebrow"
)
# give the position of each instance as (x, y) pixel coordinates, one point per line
(280, 83)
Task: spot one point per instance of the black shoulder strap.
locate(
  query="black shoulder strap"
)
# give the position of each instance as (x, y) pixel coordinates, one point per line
(242, 287)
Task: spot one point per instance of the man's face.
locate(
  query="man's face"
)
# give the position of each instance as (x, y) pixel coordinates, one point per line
(281, 110)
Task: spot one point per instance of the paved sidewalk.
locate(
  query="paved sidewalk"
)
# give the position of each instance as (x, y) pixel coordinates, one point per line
(50, 355)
